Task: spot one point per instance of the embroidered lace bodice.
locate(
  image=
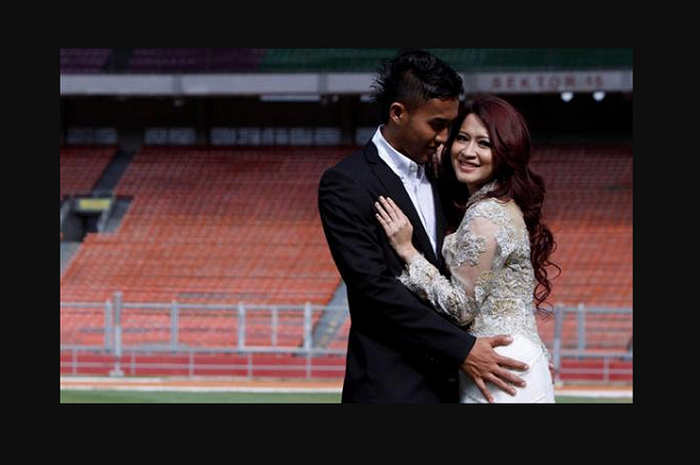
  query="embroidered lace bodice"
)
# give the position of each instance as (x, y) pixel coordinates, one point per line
(492, 282)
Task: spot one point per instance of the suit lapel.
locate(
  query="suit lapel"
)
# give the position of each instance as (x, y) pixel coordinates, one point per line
(395, 189)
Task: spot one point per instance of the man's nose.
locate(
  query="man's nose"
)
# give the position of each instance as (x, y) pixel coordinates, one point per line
(441, 138)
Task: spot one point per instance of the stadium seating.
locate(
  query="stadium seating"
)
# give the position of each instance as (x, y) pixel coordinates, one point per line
(82, 166)
(223, 225)
(206, 60)
(195, 59)
(84, 60)
(589, 209)
(215, 226)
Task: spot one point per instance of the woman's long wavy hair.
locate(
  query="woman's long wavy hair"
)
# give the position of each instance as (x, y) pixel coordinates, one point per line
(511, 149)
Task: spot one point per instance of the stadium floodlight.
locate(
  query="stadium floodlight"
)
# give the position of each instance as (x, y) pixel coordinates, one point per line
(598, 96)
(567, 96)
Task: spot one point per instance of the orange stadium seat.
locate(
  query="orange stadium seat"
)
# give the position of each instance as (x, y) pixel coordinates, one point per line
(82, 166)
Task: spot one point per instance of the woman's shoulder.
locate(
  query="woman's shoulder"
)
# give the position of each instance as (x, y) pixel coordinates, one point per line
(491, 205)
(502, 211)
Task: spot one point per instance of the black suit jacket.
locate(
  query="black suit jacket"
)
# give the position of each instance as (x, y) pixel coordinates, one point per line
(399, 349)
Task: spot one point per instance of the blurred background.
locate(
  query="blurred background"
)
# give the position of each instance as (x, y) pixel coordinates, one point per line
(191, 245)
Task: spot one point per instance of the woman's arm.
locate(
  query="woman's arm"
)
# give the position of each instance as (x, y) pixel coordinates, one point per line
(475, 259)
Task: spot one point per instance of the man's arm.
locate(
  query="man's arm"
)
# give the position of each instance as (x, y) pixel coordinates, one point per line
(351, 230)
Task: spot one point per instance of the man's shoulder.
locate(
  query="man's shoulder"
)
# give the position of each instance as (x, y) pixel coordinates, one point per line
(353, 165)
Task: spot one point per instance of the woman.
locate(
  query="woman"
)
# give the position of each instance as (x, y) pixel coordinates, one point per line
(498, 254)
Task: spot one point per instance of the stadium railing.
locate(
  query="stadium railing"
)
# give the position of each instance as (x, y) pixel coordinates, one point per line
(308, 341)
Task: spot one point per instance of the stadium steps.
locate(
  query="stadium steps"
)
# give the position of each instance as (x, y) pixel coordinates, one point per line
(118, 59)
(114, 172)
(118, 212)
(68, 251)
(331, 321)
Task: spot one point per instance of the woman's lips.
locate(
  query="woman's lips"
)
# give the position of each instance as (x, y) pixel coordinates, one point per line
(467, 167)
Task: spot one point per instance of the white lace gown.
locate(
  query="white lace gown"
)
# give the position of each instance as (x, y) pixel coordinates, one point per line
(491, 287)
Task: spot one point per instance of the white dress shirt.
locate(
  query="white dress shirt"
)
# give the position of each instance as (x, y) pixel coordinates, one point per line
(414, 181)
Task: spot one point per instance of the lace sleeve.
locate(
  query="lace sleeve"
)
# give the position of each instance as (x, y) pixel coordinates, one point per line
(447, 296)
(474, 255)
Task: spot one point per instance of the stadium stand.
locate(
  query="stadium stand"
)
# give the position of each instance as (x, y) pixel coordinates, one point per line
(216, 60)
(228, 225)
(82, 166)
(84, 60)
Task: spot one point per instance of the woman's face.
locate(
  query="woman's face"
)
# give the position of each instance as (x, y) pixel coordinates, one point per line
(471, 154)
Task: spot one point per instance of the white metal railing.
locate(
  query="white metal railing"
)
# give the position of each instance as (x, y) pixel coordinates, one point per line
(126, 332)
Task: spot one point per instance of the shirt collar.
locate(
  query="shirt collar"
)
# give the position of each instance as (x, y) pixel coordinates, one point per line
(400, 164)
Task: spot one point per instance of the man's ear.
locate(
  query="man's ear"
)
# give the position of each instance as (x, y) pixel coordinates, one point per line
(397, 113)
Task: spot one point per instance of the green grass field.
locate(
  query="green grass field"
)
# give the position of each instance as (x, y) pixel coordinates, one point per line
(125, 397)
(122, 397)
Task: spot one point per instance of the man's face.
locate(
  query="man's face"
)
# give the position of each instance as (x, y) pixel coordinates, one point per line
(426, 127)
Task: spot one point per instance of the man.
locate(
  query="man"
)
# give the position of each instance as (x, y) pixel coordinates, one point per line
(400, 349)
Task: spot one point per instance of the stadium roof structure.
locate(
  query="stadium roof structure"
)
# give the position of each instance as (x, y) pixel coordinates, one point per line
(313, 72)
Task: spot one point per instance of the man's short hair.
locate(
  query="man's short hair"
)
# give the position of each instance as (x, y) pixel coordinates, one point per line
(412, 76)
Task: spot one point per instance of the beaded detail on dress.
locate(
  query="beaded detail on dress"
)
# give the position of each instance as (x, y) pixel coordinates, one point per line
(492, 283)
